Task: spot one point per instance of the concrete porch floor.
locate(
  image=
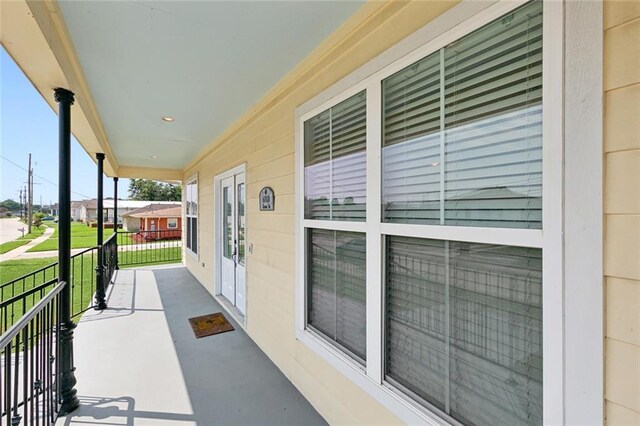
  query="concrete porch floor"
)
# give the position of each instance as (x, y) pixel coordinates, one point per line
(138, 362)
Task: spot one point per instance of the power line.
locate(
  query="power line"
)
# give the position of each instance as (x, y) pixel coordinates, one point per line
(40, 177)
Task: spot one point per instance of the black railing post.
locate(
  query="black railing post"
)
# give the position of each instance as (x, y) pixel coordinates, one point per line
(67, 378)
(115, 219)
(101, 302)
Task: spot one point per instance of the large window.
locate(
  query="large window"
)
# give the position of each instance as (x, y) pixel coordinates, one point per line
(191, 215)
(335, 190)
(455, 140)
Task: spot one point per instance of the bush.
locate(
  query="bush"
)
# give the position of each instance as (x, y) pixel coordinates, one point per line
(37, 219)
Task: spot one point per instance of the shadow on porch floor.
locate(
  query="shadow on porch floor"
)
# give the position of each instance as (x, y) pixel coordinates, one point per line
(139, 363)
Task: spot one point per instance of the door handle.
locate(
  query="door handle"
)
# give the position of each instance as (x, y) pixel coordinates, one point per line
(235, 253)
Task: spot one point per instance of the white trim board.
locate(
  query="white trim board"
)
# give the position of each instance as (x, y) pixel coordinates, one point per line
(572, 212)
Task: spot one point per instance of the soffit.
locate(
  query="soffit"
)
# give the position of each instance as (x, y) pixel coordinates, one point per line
(202, 63)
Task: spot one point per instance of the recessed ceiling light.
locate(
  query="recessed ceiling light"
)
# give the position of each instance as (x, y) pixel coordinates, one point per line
(154, 156)
(168, 119)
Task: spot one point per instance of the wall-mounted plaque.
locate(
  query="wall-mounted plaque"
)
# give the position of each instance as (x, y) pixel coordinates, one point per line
(267, 199)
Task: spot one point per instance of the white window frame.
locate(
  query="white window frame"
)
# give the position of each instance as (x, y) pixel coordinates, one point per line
(173, 220)
(572, 279)
(187, 216)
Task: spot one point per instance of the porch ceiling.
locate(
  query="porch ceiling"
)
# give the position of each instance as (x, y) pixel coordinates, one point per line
(204, 63)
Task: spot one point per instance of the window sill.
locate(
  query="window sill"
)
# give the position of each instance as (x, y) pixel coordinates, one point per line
(399, 404)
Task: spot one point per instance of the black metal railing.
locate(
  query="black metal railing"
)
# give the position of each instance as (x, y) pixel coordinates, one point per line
(20, 290)
(149, 247)
(109, 253)
(29, 389)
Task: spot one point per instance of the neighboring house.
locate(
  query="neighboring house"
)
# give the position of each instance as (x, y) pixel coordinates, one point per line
(76, 210)
(435, 252)
(89, 209)
(155, 221)
(54, 210)
(4, 212)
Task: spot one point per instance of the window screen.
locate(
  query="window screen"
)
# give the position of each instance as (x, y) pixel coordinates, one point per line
(336, 289)
(464, 328)
(335, 162)
(462, 130)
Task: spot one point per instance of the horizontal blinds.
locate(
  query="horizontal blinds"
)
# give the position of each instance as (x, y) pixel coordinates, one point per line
(464, 328)
(493, 117)
(411, 151)
(336, 289)
(415, 317)
(463, 127)
(496, 334)
(335, 162)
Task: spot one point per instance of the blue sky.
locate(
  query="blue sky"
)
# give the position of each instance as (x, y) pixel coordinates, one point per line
(29, 125)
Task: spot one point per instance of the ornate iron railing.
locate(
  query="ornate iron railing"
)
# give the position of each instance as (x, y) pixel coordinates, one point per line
(29, 351)
(110, 257)
(149, 247)
(83, 287)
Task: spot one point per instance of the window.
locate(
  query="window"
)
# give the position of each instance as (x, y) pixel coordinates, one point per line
(334, 182)
(172, 222)
(191, 215)
(335, 163)
(336, 296)
(446, 234)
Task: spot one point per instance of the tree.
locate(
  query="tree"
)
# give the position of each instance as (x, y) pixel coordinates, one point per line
(13, 206)
(149, 190)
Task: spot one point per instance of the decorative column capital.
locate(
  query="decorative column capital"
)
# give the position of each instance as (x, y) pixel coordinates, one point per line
(63, 96)
(100, 156)
(115, 179)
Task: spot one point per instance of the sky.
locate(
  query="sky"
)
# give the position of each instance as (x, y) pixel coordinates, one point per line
(29, 125)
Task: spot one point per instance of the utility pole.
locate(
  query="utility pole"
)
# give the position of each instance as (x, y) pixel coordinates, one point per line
(24, 204)
(30, 202)
(21, 206)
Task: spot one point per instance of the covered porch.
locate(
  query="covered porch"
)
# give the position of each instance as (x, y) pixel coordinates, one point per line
(138, 362)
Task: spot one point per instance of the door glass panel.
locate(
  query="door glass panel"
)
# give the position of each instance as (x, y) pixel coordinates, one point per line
(241, 224)
(227, 222)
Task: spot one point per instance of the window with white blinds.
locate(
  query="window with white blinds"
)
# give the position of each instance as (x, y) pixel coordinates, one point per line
(464, 328)
(462, 130)
(191, 215)
(336, 297)
(335, 162)
(455, 146)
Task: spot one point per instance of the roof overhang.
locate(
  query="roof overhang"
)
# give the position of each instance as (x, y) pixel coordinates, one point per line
(61, 45)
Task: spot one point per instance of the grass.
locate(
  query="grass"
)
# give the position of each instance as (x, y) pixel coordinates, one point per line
(161, 256)
(82, 236)
(12, 245)
(82, 277)
(82, 283)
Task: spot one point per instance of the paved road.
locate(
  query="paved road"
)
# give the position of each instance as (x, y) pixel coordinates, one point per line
(9, 229)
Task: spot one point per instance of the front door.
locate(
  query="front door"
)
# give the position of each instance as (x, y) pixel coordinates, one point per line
(233, 285)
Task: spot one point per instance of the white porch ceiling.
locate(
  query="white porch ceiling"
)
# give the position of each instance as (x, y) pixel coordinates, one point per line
(203, 63)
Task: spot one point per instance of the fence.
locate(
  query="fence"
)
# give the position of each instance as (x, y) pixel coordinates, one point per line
(29, 385)
(83, 286)
(149, 247)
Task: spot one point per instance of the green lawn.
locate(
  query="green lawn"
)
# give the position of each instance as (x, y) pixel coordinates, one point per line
(82, 277)
(82, 282)
(131, 259)
(82, 236)
(10, 245)
(35, 233)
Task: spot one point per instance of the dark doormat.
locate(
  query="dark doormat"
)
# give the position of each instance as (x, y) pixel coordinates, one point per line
(208, 325)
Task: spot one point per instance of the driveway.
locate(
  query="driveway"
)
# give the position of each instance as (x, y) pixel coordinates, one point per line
(9, 229)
